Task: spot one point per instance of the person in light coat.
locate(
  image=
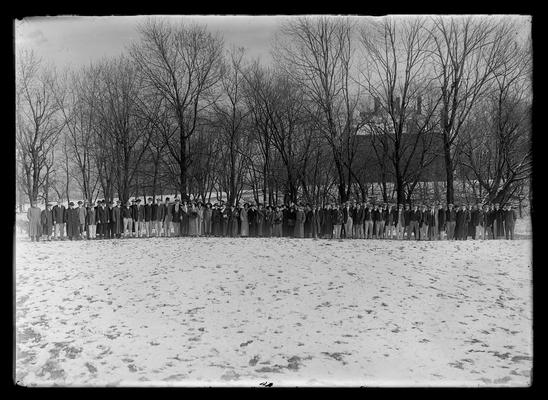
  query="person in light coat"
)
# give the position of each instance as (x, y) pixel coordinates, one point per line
(34, 216)
(244, 229)
(81, 219)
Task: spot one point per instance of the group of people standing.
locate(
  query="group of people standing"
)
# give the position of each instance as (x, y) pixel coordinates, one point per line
(108, 220)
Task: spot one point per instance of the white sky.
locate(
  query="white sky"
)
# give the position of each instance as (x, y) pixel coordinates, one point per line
(75, 40)
(79, 40)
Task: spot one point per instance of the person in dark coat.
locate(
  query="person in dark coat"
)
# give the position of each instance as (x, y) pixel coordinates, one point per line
(73, 222)
(406, 220)
(485, 222)
(414, 216)
(252, 220)
(268, 222)
(59, 220)
(308, 221)
(462, 223)
(216, 220)
(277, 221)
(102, 216)
(291, 218)
(368, 222)
(474, 221)
(376, 217)
(233, 217)
(510, 217)
(328, 215)
(47, 221)
(432, 222)
(357, 223)
(177, 217)
(337, 217)
(499, 221)
(260, 220)
(441, 221)
(34, 216)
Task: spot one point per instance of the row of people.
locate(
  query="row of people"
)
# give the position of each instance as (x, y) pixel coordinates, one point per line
(348, 220)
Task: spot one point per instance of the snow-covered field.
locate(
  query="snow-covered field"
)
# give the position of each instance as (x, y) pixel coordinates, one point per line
(232, 311)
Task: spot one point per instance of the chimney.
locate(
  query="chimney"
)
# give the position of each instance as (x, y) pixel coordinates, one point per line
(419, 105)
(377, 105)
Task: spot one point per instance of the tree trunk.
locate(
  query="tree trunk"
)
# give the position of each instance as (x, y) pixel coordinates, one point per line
(449, 173)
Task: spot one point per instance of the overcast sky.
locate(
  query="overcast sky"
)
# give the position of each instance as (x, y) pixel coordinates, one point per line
(78, 40)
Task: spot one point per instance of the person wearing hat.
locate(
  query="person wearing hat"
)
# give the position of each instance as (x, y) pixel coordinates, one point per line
(148, 217)
(141, 218)
(368, 221)
(185, 220)
(34, 216)
(127, 220)
(176, 217)
(90, 222)
(450, 221)
(117, 222)
(158, 213)
(166, 214)
(441, 221)
(357, 221)
(399, 222)
(277, 220)
(102, 214)
(474, 221)
(59, 220)
(461, 226)
(216, 220)
(406, 220)
(423, 222)
(73, 222)
(414, 217)
(47, 221)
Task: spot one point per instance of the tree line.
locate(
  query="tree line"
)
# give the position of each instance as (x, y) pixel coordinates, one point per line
(180, 112)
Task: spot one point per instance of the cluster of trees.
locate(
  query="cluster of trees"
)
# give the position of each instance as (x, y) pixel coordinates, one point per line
(181, 113)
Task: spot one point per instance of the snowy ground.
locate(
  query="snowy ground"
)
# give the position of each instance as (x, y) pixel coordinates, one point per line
(208, 312)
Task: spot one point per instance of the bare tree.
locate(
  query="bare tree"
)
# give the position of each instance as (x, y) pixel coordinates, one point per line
(126, 130)
(395, 74)
(38, 125)
(230, 117)
(496, 140)
(183, 65)
(466, 52)
(78, 105)
(317, 54)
